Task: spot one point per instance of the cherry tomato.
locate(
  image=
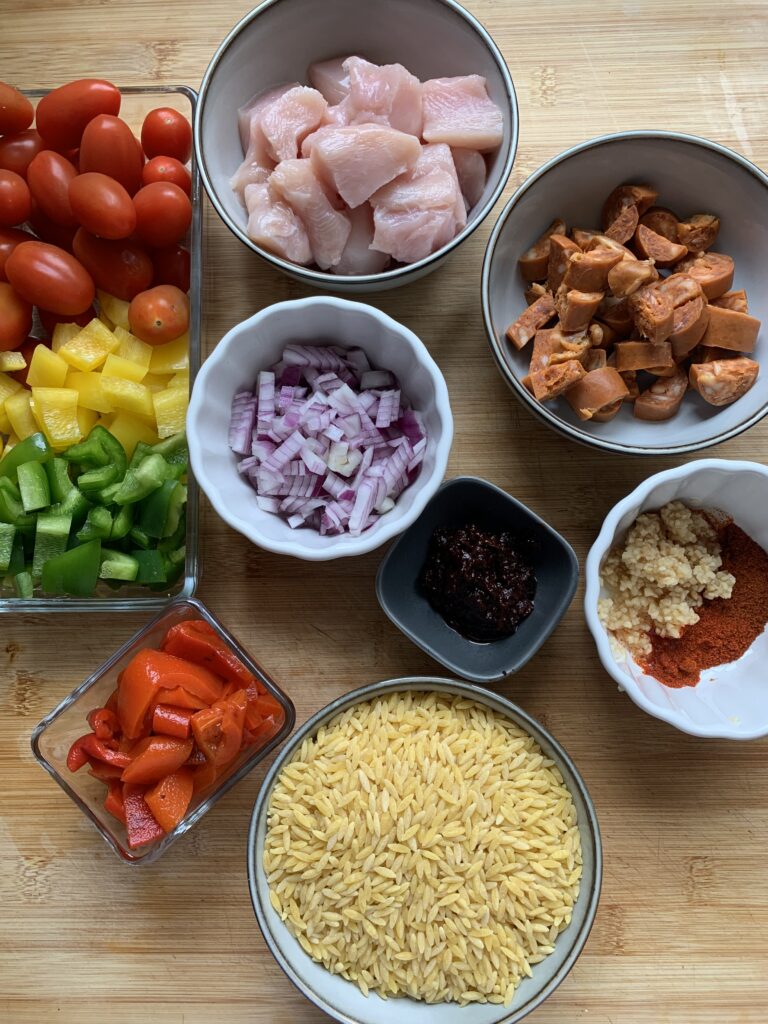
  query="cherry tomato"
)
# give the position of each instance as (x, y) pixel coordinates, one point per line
(172, 266)
(109, 146)
(159, 314)
(163, 213)
(49, 176)
(49, 320)
(17, 151)
(9, 239)
(121, 268)
(166, 132)
(15, 200)
(27, 349)
(16, 112)
(101, 205)
(167, 168)
(49, 277)
(15, 318)
(49, 231)
(63, 114)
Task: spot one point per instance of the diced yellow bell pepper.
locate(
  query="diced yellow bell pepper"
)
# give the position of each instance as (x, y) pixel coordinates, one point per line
(20, 414)
(10, 362)
(5, 423)
(8, 386)
(56, 409)
(115, 309)
(128, 395)
(46, 369)
(116, 366)
(86, 419)
(156, 381)
(129, 430)
(132, 348)
(88, 386)
(180, 380)
(62, 333)
(88, 349)
(170, 410)
(171, 357)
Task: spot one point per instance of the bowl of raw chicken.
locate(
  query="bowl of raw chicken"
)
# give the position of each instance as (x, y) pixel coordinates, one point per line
(355, 146)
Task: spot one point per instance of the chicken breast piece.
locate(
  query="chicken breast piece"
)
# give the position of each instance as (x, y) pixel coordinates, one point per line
(358, 256)
(289, 119)
(331, 78)
(420, 211)
(257, 164)
(383, 94)
(472, 172)
(357, 160)
(327, 228)
(273, 225)
(460, 112)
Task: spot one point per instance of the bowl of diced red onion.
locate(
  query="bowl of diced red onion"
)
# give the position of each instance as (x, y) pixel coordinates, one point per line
(319, 428)
(355, 145)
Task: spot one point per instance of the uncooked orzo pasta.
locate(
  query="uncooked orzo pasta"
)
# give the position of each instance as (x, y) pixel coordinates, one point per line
(422, 845)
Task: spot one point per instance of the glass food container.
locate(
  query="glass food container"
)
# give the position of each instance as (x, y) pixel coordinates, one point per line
(136, 103)
(53, 737)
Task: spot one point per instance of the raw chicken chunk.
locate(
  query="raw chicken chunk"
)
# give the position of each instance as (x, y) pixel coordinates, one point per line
(328, 228)
(358, 159)
(287, 122)
(422, 210)
(358, 257)
(459, 111)
(331, 78)
(386, 94)
(258, 164)
(472, 172)
(273, 225)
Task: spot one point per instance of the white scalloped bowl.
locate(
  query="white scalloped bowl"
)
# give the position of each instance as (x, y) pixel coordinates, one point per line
(258, 342)
(730, 701)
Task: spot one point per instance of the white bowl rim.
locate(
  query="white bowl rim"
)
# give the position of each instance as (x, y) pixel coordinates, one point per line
(319, 277)
(599, 633)
(346, 545)
(439, 684)
(538, 408)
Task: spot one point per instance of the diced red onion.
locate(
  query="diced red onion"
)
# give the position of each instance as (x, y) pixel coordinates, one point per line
(241, 421)
(377, 379)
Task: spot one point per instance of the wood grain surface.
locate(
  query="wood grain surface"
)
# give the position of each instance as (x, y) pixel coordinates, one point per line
(682, 930)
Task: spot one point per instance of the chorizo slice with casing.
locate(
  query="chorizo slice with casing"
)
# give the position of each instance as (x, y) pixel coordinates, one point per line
(595, 359)
(588, 271)
(624, 226)
(533, 292)
(652, 312)
(699, 232)
(606, 414)
(533, 263)
(575, 308)
(679, 289)
(560, 248)
(614, 312)
(710, 354)
(689, 324)
(663, 398)
(607, 334)
(555, 380)
(724, 380)
(596, 390)
(537, 315)
(713, 271)
(733, 300)
(629, 275)
(662, 221)
(653, 246)
(583, 236)
(728, 329)
(640, 196)
(642, 355)
(604, 242)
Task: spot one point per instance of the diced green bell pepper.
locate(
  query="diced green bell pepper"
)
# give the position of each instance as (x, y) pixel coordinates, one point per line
(161, 511)
(152, 568)
(74, 572)
(140, 482)
(33, 486)
(96, 479)
(58, 478)
(141, 539)
(106, 496)
(51, 538)
(7, 537)
(17, 562)
(24, 585)
(122, 524)
(11, 508)
(97, 526)
(34, 448)
(113, 448)
(74, 504)
(174, 450)
(90, 452)
(116, 565)
(141, 449)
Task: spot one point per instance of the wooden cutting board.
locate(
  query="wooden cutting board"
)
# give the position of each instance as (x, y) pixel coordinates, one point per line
(682, 930)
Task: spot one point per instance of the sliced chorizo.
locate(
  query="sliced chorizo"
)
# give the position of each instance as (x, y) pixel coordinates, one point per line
(533, 263)
(662, 221)
(604, 242)
(724, 380)
(531, 320)
(534, 291)
(583, 236)
(640, 196)
(699, 232)
(588, 271)
(629, 275)
(642, 355)
(606, 414)
(560, 248)
(595, 359)
(728, 329)
(553, 381)
(733, 300)
(689, 324)
(624, 226)
(710, 354)
(679, 289)
(652, 313)
(614, 312)
(596, 390)
(652, 246)
(576, 309)
(713, 271)
(663, 398)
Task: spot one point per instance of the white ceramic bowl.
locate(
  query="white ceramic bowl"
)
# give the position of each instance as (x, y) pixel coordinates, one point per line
(342, 999)
(692, 175)
(730, 701)
(277, 42)
(256, 344)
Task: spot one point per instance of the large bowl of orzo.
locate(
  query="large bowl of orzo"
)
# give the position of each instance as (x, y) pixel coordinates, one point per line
(424, 841)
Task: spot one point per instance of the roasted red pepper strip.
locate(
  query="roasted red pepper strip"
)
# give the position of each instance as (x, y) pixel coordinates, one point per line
(104, 723)
(196, 641)
(156, 756)
(90, 746)
(169, 799)
(138, 684)
(104, 772)
(218, 734)
(172, 721)
(181, 698)
(113, 801)
(140, 823)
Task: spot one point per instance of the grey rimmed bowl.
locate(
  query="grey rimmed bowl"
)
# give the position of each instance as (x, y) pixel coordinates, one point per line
(342, 999)
(276, 43)
(692, 175)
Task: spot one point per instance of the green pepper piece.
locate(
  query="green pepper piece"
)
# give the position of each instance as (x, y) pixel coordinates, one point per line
(161, 511)
(151, 566)
(90, 452)
(138, 537)
(33, 486)
(51, 538)
(179, 535)
(24, 585)
(141, 449)
(98, 525)
(34, 448)
(58, 478)
(140, 482)
(74, 504)
(172, 445)
(17, 562)
(11, 508)
(113, 448)
(74, 572)
(116, 565)
(122, 523)
(7, 538)
(98, 478)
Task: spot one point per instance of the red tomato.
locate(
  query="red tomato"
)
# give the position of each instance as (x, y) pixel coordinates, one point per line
(9, 239)
(163, 213)
(16, 112)
(166, 132)
(15, 318)
(49, 176)
(101, 205)
(167, 168)
(159, 314)
(49, 320)
(121, 268)
(17, 151)
(48, 231)
(49, 277)
(63, 114)
(15, 200)
(172, 266)
(27, 349)
(110, 147)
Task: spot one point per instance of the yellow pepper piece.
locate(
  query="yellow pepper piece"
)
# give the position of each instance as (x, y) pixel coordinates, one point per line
(180, 380)
(88, 349)
(129, 430)
(171, 357)
(88, 386)
(170, 410)
(62, 333)
(20, 414)
(128, 395)
(116, 366)
(116, 310)
(8, 386)
(56, 410)
(5, 423)
(10, 362)
(132, 348)
(156, 381)
(86, 420)
(46, 369)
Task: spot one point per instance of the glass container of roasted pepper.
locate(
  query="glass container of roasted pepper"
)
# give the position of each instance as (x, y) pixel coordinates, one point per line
(75, 744)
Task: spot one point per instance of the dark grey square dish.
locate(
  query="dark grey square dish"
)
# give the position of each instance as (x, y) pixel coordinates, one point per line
(469, 499)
